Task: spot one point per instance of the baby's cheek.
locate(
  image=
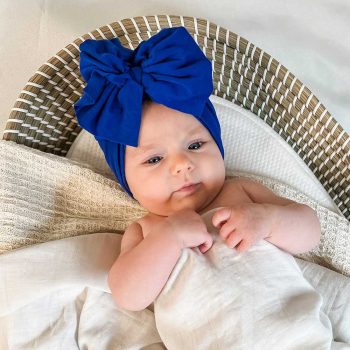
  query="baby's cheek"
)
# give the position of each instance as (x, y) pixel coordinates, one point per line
(216, 166)
(216, 180)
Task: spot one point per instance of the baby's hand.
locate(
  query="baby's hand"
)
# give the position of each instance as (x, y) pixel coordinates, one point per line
(243, 225)
(190, 230)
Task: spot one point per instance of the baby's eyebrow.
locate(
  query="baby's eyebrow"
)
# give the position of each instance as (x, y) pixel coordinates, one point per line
(140, 151)
(146, 147)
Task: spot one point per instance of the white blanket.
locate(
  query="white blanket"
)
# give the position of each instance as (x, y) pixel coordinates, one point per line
(55, 294)
(257, 299)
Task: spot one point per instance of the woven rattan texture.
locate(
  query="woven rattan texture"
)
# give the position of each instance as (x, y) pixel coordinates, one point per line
(43, 115)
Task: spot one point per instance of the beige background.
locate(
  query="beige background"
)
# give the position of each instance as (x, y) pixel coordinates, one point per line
(311, 38)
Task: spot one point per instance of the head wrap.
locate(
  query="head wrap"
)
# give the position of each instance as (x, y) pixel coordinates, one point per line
(169, 68)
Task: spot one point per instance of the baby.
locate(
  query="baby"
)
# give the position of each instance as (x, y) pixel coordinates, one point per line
(177, 173)
(150, 112)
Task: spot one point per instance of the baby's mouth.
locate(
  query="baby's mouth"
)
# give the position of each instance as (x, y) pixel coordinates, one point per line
(189, 188)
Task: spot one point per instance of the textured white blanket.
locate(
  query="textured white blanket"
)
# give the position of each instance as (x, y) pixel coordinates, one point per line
(60, 285)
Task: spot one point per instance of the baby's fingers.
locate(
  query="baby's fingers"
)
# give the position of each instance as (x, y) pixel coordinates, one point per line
(204, 247)
(226, 230)
(221, 216)
(233, 239)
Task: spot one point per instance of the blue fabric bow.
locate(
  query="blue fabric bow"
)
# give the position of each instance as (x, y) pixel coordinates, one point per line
(169, 68)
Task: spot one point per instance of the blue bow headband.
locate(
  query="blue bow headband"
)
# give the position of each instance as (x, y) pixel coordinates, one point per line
(169, 68)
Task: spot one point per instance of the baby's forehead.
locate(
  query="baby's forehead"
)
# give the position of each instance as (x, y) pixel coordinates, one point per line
(160, 123)
(155, 116)
(154, 138)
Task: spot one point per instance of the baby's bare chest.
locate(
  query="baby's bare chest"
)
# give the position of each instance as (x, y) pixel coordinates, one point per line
(232, 194)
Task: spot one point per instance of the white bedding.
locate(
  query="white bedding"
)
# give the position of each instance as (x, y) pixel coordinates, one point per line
(257, 299)
(55, 294)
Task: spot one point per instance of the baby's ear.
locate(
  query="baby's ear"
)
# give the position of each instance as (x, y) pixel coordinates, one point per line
(221, 216)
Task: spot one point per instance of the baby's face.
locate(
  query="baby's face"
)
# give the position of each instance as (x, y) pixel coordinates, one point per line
(174, 150)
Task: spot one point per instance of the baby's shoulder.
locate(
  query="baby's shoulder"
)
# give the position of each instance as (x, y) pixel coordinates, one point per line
(148, 221)
(137, 231)
(131, 237)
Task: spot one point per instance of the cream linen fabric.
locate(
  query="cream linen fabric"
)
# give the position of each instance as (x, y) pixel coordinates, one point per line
(223, 299)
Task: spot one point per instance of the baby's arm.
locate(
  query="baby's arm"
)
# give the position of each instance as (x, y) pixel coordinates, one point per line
(289, 225)
(295, 227)
(144, 264)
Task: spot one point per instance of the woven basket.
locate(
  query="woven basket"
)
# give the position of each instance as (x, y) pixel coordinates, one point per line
(43, 115)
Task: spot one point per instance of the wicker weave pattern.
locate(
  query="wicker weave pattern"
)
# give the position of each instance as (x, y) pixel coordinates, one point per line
(43, 115)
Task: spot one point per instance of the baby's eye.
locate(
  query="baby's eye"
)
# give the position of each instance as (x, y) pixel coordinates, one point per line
(195, 145)
(153, 160)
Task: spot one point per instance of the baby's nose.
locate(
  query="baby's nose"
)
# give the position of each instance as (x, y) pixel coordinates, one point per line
(181, 169)
(182, 164)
